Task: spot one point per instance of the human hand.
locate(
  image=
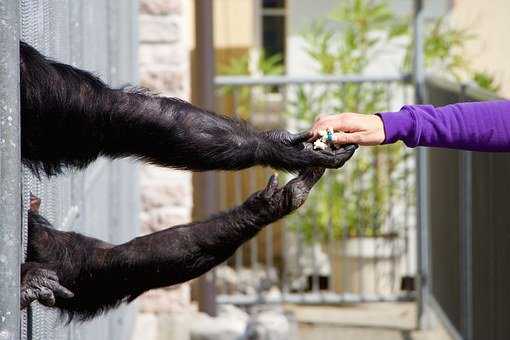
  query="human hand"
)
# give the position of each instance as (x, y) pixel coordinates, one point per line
(284, 150)
(350, 128)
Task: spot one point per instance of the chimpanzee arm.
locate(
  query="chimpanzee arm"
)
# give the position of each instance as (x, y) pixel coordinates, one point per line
(70, 117)
(102, 275)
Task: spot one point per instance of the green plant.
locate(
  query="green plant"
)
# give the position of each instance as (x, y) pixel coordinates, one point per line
(266, 65)
(357, 201)
(486, 81)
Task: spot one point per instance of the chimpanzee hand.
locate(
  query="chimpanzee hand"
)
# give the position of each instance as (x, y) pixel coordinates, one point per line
(284, 150)
(273, 202)
(39, 283)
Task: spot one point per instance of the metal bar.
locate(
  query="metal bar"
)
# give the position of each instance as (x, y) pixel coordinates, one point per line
(286, 259)
(466, 245)
(205, 98)
(315, 269)
(311, 298)
(10, 172)
(293, 80)
(331, 245)
(269, 242)
(238, 199)
(422, 171)
(360, 233)
(238, 183)
(407, 199)
(254, 250)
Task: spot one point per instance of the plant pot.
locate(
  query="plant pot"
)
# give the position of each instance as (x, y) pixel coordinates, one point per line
(367, 265)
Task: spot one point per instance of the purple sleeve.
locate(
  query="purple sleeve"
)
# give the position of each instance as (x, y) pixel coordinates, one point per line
(477, 126)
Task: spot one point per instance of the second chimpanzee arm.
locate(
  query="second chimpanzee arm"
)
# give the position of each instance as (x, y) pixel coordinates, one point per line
(101, 275)
(70, 117)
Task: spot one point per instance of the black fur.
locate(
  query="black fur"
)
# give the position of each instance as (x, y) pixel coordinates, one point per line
(102, 275)
(69, 118)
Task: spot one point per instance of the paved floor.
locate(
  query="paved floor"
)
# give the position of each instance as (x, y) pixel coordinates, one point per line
(381, 321)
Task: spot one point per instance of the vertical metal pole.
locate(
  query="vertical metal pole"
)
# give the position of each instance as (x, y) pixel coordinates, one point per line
(466, 224)
(10, 172)
(205, 98)
(423, 276)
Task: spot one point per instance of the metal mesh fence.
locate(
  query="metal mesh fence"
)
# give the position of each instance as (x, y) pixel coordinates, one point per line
(101, 201)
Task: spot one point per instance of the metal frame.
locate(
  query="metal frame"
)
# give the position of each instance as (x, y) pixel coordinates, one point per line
(423, 265)
(466, 234)
(204, 97)
(283, 85)
(93, 202)
(418, 80)
(312, 298)
(297, 80)
(10, 172)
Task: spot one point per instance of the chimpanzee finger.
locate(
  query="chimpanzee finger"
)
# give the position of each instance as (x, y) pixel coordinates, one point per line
(35, 203)
(48, 274)
(45, 296)
(311, 176)
(272, 186)
(59, 290)
(300, 137)
(345, 152)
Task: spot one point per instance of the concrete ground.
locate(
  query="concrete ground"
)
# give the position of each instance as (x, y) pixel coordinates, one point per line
(368, 321)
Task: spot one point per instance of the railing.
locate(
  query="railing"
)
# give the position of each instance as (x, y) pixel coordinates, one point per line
(466, 241)
(354, 240)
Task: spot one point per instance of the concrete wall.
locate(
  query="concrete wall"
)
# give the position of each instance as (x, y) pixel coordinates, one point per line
(166, 195)
(301, 14)
(489, 21)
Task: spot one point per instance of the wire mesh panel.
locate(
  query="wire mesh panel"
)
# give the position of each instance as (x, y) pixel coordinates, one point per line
(10, 164)
(101, 201)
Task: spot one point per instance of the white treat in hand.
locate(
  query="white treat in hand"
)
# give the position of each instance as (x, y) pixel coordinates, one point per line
(319, 144)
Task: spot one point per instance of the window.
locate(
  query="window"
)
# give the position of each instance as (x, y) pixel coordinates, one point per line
(273, 27)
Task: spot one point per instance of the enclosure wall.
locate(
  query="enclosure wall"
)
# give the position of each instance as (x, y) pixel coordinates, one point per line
(102, 201)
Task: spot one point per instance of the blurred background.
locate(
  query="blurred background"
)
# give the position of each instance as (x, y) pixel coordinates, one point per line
(398, 244)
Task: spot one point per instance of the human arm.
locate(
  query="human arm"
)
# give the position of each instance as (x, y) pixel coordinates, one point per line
(476, 126)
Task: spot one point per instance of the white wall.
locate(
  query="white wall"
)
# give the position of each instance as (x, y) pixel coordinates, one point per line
(490, 21)
(301, 13)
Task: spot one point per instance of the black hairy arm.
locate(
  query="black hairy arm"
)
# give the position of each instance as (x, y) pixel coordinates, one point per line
(98, 276)
(70, 117)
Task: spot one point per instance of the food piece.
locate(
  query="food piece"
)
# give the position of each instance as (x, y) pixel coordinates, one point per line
(323, 143)
(319, 144)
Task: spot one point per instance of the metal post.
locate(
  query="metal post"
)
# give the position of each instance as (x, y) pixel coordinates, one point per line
(466, 224)
(423, 277)
(10, 172)
(204, 97)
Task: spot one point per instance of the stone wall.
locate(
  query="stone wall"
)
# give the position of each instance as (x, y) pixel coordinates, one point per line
(166, 195)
